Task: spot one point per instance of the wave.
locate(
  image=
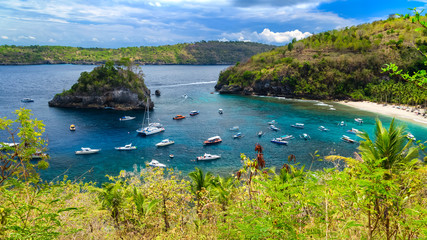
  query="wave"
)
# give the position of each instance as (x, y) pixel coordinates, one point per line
(182, 84)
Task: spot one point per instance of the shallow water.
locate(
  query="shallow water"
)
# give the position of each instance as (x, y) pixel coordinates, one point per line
(102, 128)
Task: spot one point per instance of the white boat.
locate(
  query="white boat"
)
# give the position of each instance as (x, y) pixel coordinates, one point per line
(152, 128)
(410, 137)
(298, 125)
(272, 122)
(342, 124)
(5, 144)
(220, 111)
(212, 140)
(274, 128)
(305, 136)
(354, 131)
(323, 129)
(126, 118)
(358, 120)
(238, 135)
(279, 141)
(26, 100)
(155, 163)
(260, 133)
(208, 156)
(287, 137)
(347, 139)
(235, 128)
(164, 142)
(39, 155)
(87, 151)
(127, 147)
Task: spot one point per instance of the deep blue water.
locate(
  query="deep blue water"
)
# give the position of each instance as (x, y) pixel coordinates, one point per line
(102, 129)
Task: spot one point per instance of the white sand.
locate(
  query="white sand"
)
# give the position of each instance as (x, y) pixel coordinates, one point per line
(388, 110)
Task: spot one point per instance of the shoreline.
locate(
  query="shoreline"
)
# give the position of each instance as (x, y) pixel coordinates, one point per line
(388, 110)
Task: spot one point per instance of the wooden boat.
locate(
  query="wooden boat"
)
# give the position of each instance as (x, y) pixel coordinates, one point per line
(212, 140)
(347, 139)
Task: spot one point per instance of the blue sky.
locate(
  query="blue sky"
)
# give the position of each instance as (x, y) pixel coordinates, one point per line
(123, 23)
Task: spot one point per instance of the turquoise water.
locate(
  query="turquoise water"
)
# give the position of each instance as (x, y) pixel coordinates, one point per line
(102, 129)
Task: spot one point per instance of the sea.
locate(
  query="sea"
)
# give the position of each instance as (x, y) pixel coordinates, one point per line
(183, 89)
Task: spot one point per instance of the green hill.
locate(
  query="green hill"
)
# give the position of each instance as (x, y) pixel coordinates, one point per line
(338, 64)
(211, 52)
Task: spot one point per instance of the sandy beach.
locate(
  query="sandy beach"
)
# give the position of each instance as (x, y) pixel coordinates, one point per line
(388, 110)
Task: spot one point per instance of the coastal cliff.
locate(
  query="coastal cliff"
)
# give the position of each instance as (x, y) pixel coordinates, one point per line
(107, 86)
(338, 64)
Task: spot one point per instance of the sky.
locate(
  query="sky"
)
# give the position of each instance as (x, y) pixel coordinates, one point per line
(126, 23)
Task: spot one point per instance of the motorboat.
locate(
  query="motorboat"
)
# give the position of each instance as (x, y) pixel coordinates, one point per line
(171, 156)
(126, 118)
(208, 156)
(5, 144)
(279, 141)
(323, 129)
(194, 113)
(287, 137)
(127, 147)
(152, 128)
(260, 133)
(87, 151)
(27, 100)
(305, 136)
(155, 163)
(298, 125)
(347, 139)
(358, 120)
(72, 127)
(220, 111)
(272, 122)
(164, 142)
(212, 140)
(178, 117)
(354, 131)
(410, 136)
(39, 155)
(342, 124)
(235, 128)
(238, 135)
(274, 128)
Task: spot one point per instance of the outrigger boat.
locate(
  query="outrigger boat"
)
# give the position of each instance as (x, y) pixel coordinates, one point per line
(410, 137)
(155, 163)
(287, 137)
(354, 131)
(126, 118)
(305, 136)
(235, 128)
(358, 120)
(238, 135)
(272, 122)
(127, 147)
(212, 140)
(298, 125)
(279, 141)
(208, 156)
(87, 151)
(347, 139)
(274, 128)
(323, 129)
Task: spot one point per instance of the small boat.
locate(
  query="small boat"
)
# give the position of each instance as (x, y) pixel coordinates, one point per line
(178, 117)
(347, 139)
(274, 128)
(287, 137)
(298, 125)
(305, 136)
(358, 120)
(39, 155)
(194, 113)
(5, 144)
(27, 100)
(272, 122)
(279, 141)
(208, 156)
(152, 128)
(171, 155)
(342, 124)
(155, 163)
(155, 124)
(260, 133)
(127, 147)
(238, 135)
(354, 131)
(72, 127)
(235, 128)
(220, 111)
(126, 118)
(164, 142)
(323, 129)
(212, 140)
(410, 137)
(87, 151)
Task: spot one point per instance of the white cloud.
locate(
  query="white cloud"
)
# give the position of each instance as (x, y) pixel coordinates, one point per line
(31, 37)
(95, 39)
(281, 37)
(155, 4)
(4, 37)
(51, 40)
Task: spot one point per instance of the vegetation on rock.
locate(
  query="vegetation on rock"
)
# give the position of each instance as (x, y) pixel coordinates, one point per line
(338, 64)
(211, 52)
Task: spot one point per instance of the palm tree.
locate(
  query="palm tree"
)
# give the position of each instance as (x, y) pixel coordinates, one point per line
(199, 182)
(390, 145)
(222, 189)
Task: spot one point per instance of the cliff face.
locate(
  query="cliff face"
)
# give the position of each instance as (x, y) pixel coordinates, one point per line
(119, 99)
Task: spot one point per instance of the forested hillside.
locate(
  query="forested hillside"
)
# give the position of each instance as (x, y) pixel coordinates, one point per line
(212, 52)
(338, 64)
